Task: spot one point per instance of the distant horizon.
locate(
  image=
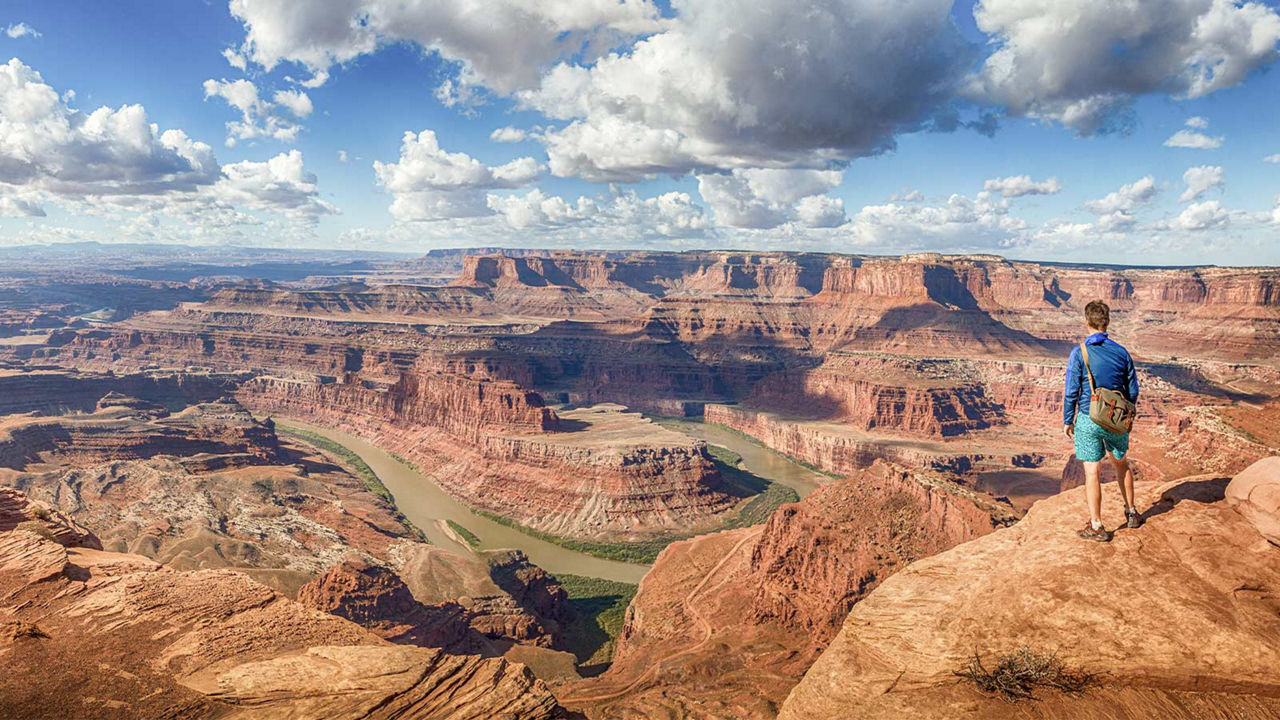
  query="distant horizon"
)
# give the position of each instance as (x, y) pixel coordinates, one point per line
(491, 249)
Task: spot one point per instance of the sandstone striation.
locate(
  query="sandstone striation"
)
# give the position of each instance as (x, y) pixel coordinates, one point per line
(930, 347)
(125, 428)
(733, 619)
(214, 643)
(233, 495)
(375, 597)
(921, 398)
(816, 558)
(1255, 493)
(597, 473)
(17, 511)
(839, 448)
(1179, 616)
(504, 597)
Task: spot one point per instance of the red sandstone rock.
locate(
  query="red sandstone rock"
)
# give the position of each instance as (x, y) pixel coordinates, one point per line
(1255, 492)
(214, 643)
(507, 598)
(1175, 615)
(18, 511)
(733, 619)
(376, 598)
(818, 557)
(607, 474)
(920, 398)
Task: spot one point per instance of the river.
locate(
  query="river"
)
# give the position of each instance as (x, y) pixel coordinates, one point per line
(757, 460)
(427, 506)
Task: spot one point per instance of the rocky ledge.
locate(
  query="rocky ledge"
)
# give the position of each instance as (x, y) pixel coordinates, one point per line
(213, 643)
(1178, 619)
(725, 624)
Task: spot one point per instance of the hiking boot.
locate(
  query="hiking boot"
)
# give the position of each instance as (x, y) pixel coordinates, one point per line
(1132, 518)
(1098, 534)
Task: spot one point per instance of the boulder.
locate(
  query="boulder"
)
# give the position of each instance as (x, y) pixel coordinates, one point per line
(1255, 492)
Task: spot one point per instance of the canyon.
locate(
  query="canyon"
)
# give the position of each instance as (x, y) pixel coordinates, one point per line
(586, 401)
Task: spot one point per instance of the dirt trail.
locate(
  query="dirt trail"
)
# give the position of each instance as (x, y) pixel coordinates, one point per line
(701, 621)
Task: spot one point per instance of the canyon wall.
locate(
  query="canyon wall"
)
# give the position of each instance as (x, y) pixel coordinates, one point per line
(125, 429)
(496, 448)
(54, 391)
(735, 618)
(918, 397)
(838, 449)
(461, 406)
(816, 558)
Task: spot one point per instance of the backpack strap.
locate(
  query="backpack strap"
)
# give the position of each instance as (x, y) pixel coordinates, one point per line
(1084, 352)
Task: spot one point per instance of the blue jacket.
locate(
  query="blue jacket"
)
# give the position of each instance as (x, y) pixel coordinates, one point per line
(1112, 368)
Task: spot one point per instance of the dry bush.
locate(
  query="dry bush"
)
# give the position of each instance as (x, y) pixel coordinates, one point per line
(35, 527)
(1016, 675)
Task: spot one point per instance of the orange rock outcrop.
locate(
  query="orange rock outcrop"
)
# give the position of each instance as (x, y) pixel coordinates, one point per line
(1177, 619)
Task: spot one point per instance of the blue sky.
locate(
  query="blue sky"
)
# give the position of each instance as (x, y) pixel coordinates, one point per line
(843, 125)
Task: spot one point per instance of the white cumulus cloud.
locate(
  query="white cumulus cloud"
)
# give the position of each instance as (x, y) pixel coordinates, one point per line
(295, 101)
(508, 135)
(768, 197)
(1199, 180)
(1082, 62)
(755, 83)
(46, 145)
(1127, 198)
(279, 185)
(428, 182)
(499, 44)
(1193, 140)
(259, 118)
(962, 224)
(112, 162)
(1020, 185)
(1201, 216)
(670, 215)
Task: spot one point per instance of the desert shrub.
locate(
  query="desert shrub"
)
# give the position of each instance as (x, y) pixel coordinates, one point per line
(35, 527)
(600, 608)
(1016, 675)
(464, 533)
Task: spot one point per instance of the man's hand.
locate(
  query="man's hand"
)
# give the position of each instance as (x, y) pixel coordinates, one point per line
(1070, 431)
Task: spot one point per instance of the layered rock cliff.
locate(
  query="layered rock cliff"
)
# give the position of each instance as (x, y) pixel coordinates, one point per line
(842, 449)
(215, 434)
(922, 398)
(725, 624)
(195, 644)
(603, 473)
(1176, 619)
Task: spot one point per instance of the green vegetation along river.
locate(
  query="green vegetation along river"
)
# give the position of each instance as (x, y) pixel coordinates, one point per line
(438, 515)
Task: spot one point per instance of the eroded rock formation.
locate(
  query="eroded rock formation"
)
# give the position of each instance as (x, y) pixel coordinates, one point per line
(213, 642)
(1179, 616)
(733, 619)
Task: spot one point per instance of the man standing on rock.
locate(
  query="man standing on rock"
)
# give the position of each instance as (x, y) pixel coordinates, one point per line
(1112, 367)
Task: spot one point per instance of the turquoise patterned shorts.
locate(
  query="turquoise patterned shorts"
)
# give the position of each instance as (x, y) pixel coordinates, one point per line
(1092, 441)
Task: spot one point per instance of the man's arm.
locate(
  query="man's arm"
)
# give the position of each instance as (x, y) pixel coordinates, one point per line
(1132, 372)
(1071, 391)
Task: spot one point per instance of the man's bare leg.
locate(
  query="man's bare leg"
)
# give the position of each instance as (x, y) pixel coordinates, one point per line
(1124, 478)
(1093, 491)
